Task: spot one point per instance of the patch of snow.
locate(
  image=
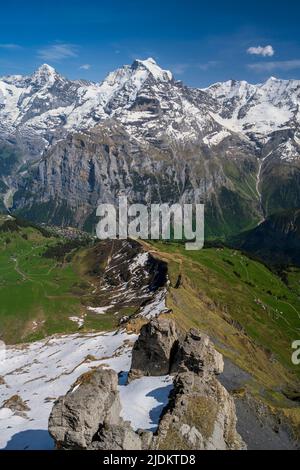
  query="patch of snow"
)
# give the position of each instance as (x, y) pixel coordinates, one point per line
(155, 306)
(143, 401)
(216, 138)
(40, 372)
(155, 70)
(288, 151)
(100, 310)
(140, 260)
(78, 320)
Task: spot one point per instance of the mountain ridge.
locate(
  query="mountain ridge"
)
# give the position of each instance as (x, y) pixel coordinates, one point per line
(235, 146)
(99, 98)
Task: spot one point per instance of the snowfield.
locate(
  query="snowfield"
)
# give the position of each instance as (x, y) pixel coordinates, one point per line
(46, 105)
(40, 372)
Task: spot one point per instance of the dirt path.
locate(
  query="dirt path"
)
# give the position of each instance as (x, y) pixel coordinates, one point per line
(18, 270)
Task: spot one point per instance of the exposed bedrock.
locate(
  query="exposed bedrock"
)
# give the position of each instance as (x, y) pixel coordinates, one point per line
(200, 413)
(88, 416)
(161, 349)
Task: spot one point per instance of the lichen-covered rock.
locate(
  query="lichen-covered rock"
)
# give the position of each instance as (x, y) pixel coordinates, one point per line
(200, 416)
(88, 416)
(152, 352)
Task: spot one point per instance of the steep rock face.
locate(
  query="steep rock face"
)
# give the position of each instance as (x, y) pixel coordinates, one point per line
(197, 354)
(88, 417)
(200, 413)
(152, 351)
(234, 144)
(161, 349)
(268, 115)
(127, 280)
(78, 173)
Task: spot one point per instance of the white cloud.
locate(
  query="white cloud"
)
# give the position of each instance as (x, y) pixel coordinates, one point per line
(208, 65)
(58, 51)
(266, 51)
(179, 69)
(85, 67)
(284, 65)
(10, 46)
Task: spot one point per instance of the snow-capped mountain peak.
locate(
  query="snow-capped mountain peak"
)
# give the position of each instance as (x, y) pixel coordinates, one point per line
(257, 110)
(155, 70)
(44, 75)
(145, 99)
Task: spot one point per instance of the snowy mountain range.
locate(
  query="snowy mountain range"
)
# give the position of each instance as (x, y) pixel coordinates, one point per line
(143, 133)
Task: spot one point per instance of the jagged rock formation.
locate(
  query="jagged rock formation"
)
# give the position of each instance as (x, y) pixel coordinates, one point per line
(88, 417)
(152, 351)
(152, 105)
(161, 349)
(197, 354)
(144, 134)
(121, 266)
(200, 413)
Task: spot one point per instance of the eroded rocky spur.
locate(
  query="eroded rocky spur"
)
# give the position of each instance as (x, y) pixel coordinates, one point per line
(200, 413)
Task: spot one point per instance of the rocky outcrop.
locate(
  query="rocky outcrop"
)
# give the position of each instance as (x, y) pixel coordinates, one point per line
(88, 416)
(197, 354)
(200, 413)
(16, 404)
(161, 349)
(152, 351)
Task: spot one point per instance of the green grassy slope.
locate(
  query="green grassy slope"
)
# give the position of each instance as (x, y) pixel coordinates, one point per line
(36, 296)
(42, 285)
(250, 313)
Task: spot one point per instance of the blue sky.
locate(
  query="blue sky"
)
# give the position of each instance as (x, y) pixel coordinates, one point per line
(200, 42)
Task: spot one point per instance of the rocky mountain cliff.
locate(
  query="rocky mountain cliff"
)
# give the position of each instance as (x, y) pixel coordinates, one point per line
(276, 241)
(140, 132)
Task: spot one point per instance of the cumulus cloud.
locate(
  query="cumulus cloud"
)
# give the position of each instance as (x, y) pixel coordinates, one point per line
(284, 65)
(266, 51)
(85, 67)
(58, 51)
